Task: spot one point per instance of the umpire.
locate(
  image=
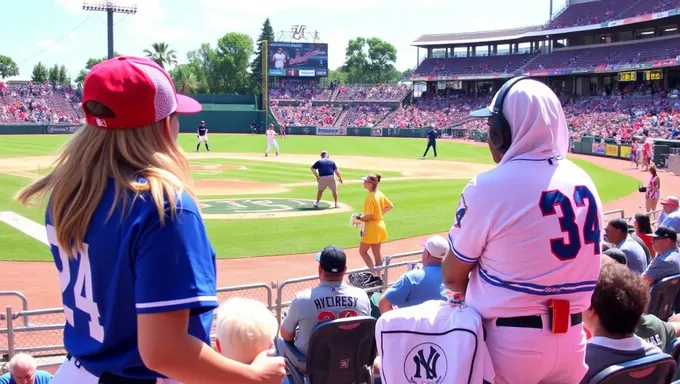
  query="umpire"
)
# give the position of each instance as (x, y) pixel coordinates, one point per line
(431, 141)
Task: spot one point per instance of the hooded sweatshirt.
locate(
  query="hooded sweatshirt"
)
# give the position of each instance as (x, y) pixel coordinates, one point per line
(532, 225)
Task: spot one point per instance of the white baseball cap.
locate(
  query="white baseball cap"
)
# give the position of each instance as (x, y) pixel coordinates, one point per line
(436, 246)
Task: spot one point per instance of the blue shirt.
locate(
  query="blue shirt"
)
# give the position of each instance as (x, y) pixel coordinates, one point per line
(664, 265)
(132, 265)
(326, 167)
(432, 135)
(635, 255)
(672, 220)
(41, 377)
(416, 287)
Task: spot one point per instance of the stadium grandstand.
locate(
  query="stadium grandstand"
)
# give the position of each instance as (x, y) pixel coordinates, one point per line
(614, 64)
(23, 102)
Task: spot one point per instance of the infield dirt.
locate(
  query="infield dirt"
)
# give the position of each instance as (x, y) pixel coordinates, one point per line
(43, 290)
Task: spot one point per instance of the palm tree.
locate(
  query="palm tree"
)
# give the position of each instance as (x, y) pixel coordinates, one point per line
(184, 79)
(161, 54)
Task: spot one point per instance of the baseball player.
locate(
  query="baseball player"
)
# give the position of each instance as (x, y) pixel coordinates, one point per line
(271, 140)
(525, 243)
(136, 268)
(202, 135)
(279, 59)
(325, 170)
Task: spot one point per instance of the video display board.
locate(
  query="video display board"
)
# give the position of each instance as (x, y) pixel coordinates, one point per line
(298, 59)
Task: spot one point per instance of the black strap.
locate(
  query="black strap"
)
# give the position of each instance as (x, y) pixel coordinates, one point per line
(532, 321)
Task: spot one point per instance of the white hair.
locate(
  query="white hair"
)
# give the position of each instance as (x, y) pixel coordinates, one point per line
(22, 359)
(245, 328)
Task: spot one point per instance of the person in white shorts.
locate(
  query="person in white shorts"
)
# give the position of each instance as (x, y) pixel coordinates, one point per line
(271, 140)
(279, 59)
(525, 244)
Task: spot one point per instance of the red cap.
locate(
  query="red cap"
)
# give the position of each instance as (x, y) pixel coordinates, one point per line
(137, 90)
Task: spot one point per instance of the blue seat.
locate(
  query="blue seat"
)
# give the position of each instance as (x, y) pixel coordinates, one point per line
(654, 369)
(674, 350)
(662, 302)
(340, 351)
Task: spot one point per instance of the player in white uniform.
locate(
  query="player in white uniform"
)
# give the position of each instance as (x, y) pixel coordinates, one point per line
(279, 59)
(525, 244)
(271, 140)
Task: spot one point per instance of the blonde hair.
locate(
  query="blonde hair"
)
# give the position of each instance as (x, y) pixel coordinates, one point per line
(245, 328)
(91, 157)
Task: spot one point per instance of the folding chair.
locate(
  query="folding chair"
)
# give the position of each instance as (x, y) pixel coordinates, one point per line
(654, 369)
(663, 297)
(341, 351)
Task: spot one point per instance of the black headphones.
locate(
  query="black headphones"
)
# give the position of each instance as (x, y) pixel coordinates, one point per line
(500, 133)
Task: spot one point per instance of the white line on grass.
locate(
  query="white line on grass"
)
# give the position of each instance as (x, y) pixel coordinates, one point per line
(27, 226)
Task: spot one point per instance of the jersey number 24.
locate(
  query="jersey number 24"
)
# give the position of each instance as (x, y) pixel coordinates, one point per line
(81, 288)
(591, 227)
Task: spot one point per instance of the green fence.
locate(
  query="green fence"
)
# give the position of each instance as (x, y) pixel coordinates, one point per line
(609, 148)
(37, 129)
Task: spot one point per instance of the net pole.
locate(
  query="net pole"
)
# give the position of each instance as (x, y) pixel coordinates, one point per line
(265, 81)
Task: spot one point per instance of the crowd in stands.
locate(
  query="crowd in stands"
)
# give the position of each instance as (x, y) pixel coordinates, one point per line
(305, 114)
(305, 90)
(475, 65)
(28, 103)
(365, 115)
(380, 92)
(602, 56)
(596, 12)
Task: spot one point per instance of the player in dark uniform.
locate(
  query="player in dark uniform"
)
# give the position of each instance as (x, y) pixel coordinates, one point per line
(202, 135)
(431, 142)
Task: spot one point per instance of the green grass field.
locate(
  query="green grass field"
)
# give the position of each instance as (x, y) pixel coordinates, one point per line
(421, 208)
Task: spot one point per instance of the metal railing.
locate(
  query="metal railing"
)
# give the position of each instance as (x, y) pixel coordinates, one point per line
(40, 332)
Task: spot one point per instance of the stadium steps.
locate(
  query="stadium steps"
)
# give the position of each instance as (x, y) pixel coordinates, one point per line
(335, 94)
(338, 122)
(520, 70)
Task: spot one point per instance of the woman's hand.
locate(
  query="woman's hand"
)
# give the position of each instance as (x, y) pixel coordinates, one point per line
(269, 368)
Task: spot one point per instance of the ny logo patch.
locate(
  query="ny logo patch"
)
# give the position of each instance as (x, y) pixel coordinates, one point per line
(425, 364)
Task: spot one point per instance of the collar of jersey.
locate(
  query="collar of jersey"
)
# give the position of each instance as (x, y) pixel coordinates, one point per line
(331, 283)
(537, 159)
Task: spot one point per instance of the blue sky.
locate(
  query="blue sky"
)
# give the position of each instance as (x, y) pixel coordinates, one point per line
(59, 31)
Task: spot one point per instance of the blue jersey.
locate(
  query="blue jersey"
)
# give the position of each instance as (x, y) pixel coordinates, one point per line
(132, 265)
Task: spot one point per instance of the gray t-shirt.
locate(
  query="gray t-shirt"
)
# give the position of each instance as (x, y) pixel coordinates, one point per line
(664, 265)
(328, 301)
(635, 255)
(602, 353)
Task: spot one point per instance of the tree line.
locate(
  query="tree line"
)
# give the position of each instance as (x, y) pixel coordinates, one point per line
(233, 65)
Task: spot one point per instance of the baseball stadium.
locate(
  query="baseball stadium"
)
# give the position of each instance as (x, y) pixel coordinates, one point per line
(614, 66)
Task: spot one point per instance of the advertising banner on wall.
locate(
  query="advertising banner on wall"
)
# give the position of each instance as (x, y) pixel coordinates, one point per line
(330, 131)
(598, 148)
(611, 150)
(625, 151)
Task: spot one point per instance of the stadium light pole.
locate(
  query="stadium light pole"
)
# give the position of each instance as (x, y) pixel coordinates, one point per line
(110, 8)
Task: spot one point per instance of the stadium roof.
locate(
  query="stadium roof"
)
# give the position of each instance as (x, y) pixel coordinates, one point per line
(471, 37)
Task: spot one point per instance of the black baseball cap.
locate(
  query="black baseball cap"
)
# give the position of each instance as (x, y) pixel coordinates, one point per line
(665, 233)
(332, 259)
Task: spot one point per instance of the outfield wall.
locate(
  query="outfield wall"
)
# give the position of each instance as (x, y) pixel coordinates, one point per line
(609, 148)
(37, 129)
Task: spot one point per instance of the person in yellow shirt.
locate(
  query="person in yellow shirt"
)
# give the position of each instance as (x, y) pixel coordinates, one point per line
(374, 231)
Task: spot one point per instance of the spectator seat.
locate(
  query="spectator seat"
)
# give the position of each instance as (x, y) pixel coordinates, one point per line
(656, 369)
(340, 351)
(663, 297)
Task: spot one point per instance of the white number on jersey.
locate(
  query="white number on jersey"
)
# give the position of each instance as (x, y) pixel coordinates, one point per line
(81, 289)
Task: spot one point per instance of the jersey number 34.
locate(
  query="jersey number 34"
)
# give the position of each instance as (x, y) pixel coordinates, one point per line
(591, 227)
(81, 289)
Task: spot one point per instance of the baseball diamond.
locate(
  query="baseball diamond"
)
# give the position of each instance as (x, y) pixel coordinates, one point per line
(421, 188)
